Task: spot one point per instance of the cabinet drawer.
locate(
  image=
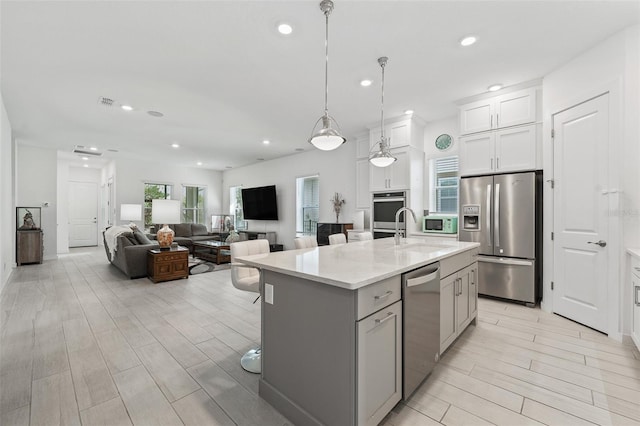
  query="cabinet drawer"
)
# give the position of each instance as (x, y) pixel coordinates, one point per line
(455, 263)
(172, 256)
(377, 296)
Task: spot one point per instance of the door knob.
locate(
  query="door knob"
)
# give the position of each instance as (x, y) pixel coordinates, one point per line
(600, 243)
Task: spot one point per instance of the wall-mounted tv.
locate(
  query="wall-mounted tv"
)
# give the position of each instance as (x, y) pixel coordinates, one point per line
(260, 203)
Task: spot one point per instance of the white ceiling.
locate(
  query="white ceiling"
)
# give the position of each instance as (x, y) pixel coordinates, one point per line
(225, 79)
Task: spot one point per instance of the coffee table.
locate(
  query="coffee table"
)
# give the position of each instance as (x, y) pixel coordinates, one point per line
(213, 251)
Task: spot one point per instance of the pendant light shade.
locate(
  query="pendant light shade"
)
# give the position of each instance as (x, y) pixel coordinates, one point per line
(328, 136)
(382, 157)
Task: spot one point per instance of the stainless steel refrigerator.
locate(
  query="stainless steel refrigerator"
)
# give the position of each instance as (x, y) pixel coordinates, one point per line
(504, 214)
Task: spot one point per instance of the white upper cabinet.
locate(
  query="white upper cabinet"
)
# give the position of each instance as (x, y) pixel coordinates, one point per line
(395, 176)
(406, 132)
(506, 150)
(511, 109)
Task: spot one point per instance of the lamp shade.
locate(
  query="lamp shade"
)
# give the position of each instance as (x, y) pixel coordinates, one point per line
(165, 211)
(131, 212)
(326, 138)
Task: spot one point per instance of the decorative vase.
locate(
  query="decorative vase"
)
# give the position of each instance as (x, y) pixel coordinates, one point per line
(165, 237)
(337, 217)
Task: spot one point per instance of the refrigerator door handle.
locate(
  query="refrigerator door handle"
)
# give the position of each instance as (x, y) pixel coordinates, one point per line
(505, 261)
(496, 214)
(488, 221)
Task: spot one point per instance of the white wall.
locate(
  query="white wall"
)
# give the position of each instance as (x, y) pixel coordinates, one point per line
(433, 129)
(7, 210)
(36, 177)
(337, 174)
(611, 66)
(130, 177)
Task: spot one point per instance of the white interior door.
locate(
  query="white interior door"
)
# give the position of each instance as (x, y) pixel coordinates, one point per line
(83, 214)
(580, 212)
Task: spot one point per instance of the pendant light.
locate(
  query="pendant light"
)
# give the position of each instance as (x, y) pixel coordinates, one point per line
(382, 157)
(327, 137)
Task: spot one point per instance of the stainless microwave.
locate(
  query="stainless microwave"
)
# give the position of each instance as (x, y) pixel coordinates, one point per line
(440, 224)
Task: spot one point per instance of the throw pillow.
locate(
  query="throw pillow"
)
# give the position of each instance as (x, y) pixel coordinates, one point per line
(140, 237)
(198, 229)
(183, 230)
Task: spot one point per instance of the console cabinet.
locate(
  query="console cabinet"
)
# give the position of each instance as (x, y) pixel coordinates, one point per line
(326, 229)
(29, 246)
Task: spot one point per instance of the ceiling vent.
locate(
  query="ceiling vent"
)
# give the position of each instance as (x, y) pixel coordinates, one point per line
(81, 150)
(108, 102)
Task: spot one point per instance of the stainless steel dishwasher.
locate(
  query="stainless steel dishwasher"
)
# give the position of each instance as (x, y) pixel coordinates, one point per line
(421, 325)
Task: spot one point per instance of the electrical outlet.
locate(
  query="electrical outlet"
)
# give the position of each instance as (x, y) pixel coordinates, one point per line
(268, 293)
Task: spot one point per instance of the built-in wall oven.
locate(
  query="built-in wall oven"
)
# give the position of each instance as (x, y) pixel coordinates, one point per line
(385, 206)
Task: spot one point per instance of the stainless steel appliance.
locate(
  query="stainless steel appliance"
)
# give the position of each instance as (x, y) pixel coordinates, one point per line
(504, 214)
(440, 224)
(385, 206)
(421, 325)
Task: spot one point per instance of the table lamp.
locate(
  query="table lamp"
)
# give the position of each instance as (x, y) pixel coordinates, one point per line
(165, 212)
(131, 212)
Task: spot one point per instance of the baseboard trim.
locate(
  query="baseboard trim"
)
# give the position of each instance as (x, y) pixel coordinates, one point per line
(294, 413)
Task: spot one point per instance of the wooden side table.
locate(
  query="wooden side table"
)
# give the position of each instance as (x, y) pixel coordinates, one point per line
(166, 265)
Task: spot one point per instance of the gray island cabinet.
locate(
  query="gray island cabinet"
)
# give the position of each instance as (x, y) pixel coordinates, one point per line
(332, 326)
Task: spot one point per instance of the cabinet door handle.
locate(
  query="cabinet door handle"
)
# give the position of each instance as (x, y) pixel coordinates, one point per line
(498, 163)
(491, 125)
(385, 319)
(497, 120)
(492, 164)
(383, 296)
(635, 296)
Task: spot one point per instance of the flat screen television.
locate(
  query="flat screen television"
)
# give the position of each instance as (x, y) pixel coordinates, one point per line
(260, 203)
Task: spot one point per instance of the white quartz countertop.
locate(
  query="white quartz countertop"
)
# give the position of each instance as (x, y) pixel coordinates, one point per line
(634, 251)
(359, 263)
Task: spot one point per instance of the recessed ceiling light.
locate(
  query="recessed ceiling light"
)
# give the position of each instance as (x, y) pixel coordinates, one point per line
(85, 158)
(285, 29)
(127, 107)
(366, 83)
(266, 141)
(93, 148)
(408, 111)
(199, 163)
(175, 145)
(85, 165)
(494, 87)
(468, 41)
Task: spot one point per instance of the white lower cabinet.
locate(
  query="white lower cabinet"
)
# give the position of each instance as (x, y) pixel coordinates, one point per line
(379, 364)
(458, 303)
(635, 287)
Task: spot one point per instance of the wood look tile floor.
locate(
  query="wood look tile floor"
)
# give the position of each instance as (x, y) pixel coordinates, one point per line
(82, 345)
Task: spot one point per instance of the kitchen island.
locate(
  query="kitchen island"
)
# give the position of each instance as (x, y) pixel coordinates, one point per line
(332, 324)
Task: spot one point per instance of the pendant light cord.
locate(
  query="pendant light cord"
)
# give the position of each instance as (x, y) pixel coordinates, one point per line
(326, 63)
(382, 141)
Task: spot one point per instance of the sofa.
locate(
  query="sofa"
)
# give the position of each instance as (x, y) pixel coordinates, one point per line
(129, 254)
(130, 246)
(187, 233)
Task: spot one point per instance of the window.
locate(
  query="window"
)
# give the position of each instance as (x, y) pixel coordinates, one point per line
(444, 187)
(235, 207)
(307, 204)
(193, 204)
(154, 191)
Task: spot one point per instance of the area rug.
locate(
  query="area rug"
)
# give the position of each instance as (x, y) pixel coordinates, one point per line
(198, 266)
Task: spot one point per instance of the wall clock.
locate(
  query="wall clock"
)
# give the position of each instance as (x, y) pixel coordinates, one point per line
(443, 142)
